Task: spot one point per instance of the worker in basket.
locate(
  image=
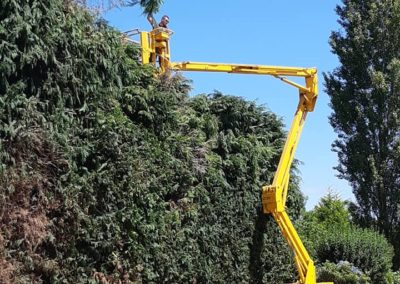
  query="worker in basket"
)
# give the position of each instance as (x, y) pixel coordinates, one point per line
(163, 23)
(160, 50)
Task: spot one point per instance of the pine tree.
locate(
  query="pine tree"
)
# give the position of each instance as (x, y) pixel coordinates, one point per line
(364, 92)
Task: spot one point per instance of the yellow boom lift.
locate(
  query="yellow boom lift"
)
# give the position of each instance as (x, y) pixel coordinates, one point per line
(155, 47)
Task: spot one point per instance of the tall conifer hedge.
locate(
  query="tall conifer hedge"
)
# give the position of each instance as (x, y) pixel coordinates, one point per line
(110, 173)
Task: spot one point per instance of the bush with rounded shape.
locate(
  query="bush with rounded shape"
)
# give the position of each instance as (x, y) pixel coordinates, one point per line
(366, 249)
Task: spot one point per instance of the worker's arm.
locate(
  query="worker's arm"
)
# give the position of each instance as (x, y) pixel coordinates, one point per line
(152, 21)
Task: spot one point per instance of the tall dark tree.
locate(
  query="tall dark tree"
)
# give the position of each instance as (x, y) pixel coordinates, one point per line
(365, 97)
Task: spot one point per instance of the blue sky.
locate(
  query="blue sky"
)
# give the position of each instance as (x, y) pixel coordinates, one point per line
(283, 33)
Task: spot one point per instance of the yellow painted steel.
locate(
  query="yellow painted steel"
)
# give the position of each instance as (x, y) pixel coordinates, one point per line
(155, 47)
(146, 49)
(243, 68)
(156, 44)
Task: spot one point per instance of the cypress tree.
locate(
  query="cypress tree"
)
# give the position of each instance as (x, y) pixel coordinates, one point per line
(109, 173)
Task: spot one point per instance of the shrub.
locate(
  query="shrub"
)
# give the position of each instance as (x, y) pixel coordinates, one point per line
(330, 212)
(341, 273)
(396, 277)
(393, 277)
(366, 249)
(329, 236)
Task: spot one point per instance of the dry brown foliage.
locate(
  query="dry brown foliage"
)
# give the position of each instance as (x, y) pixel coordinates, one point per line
(25, 205)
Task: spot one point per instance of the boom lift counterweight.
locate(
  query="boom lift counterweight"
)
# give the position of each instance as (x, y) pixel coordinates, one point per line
(155, 44)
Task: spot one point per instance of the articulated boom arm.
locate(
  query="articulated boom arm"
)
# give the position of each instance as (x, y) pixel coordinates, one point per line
(155, 45)
(309, 92)
(274, 196)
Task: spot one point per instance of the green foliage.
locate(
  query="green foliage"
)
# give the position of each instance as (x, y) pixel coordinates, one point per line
(331, 211)
(365, 249)
(330, 236)
(110, 173)
(329, 214)
(342, 273)
(149, 6)
(364, 97)
(393, 277)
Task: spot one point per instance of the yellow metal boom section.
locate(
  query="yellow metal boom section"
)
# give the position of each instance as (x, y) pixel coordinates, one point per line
(155, 45)
(309, 91)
